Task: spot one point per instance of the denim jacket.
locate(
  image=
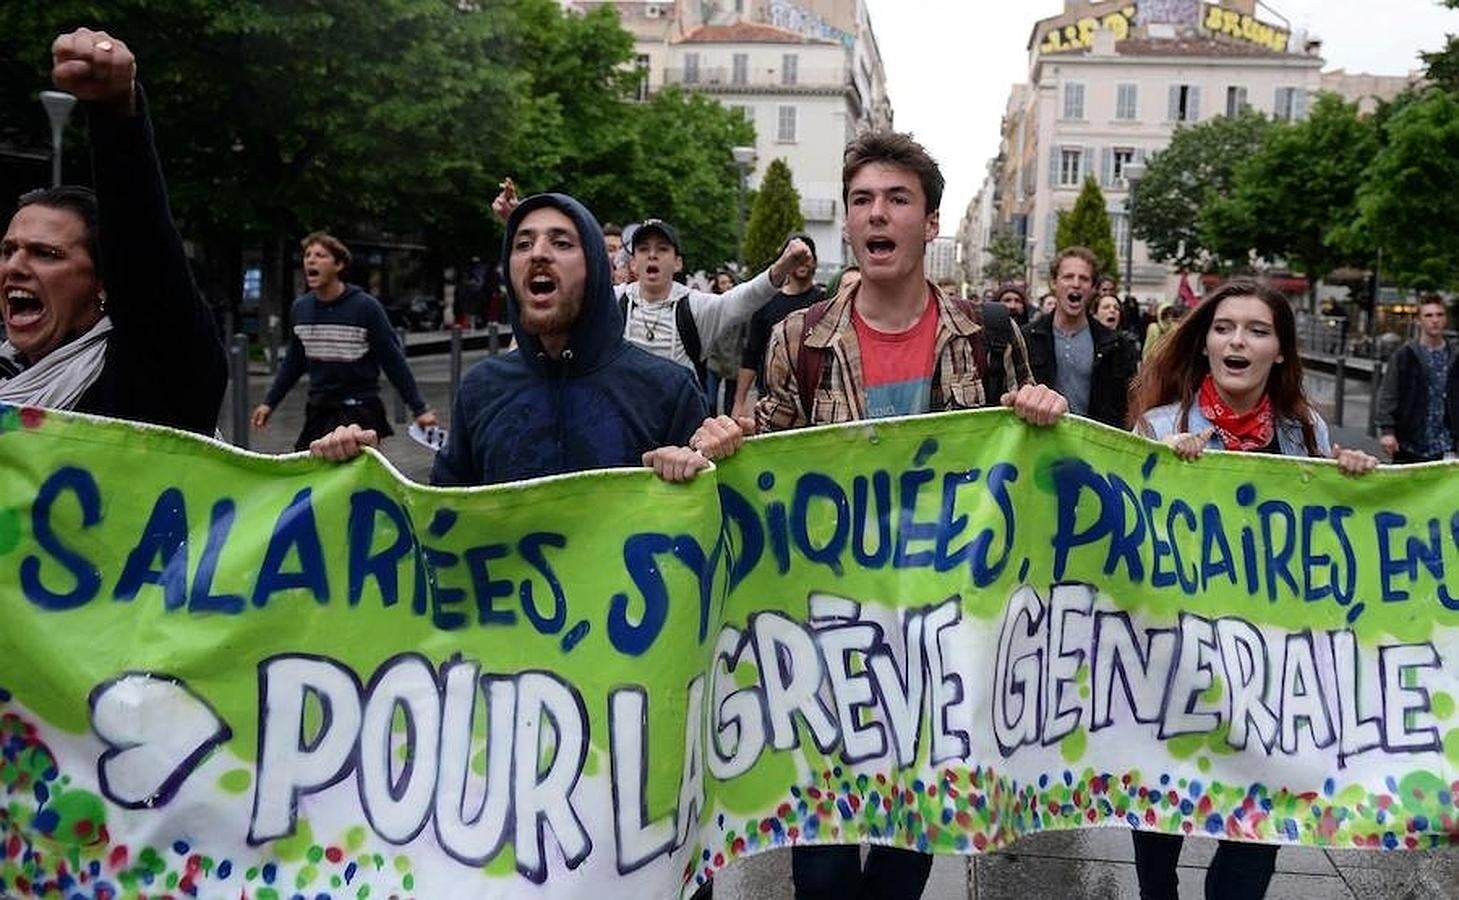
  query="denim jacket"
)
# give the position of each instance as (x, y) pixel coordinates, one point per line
(1163, 421)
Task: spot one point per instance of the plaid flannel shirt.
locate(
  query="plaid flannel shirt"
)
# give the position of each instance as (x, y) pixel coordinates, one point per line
(957, 382)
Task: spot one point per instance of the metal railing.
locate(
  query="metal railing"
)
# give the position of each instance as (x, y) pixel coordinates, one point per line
(756, 77)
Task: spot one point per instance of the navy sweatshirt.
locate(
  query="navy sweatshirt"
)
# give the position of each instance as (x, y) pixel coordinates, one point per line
(602, 404)
(344, 343)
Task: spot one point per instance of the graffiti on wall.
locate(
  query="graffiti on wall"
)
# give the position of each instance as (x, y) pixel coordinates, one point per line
(1246, 28)
(1079, 35)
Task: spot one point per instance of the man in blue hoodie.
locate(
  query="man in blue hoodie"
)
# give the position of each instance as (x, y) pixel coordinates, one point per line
(574, 395)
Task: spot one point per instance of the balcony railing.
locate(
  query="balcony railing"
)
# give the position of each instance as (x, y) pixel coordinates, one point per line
(727, 77)
(818, 210)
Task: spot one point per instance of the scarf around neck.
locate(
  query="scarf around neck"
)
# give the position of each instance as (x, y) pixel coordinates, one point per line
(58, 379)
(1251, 430)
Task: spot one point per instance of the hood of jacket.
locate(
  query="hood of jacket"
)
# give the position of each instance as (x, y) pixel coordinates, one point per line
(597, 334)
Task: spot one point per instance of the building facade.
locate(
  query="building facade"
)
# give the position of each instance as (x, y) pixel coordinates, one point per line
(807, 75)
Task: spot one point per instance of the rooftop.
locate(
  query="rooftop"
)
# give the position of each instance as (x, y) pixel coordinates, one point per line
(743, 32)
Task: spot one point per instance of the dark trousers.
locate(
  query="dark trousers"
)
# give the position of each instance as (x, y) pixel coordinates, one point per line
(1404, 457)
(1238, 870)
(323, 414)
(835, 873)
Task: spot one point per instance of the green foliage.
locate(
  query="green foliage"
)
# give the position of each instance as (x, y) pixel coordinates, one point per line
(391, 116)
(1442, 66)
(775, 215)
(1087, 225)
(1296, 196)
(1406, 202)
(1006, 257)
(685, 173)
(1181, 181)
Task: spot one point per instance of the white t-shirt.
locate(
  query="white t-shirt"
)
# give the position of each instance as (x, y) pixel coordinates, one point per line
(650, 324)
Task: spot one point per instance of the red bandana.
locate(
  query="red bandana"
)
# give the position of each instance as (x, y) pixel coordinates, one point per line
(1251, 430)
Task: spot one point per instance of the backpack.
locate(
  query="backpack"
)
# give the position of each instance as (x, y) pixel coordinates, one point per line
(688, 331)
(997, 335)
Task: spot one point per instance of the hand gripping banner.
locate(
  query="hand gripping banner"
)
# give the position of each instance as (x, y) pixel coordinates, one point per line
(226, 675)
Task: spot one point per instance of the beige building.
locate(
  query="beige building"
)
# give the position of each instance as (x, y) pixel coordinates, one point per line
(808, 76)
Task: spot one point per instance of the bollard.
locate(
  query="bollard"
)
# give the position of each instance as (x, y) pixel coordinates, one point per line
(399, 400)
(1373, 397)
(1340, 372)
(455, 379)
(238, 374)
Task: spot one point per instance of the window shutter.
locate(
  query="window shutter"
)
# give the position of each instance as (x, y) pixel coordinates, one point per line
(1056, 153)
(1106, 167)
(1193, 105)
(1299, 104)
(1173, 112)
(1086, 165)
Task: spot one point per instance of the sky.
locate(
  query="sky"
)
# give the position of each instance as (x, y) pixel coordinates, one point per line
(950, 64)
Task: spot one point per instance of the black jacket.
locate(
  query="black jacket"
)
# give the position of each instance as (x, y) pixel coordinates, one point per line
(602, 404)
(1115, 361)
(1403, 399)
(164, 362)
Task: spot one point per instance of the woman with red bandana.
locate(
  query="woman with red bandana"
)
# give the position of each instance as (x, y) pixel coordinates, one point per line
(1228, 378)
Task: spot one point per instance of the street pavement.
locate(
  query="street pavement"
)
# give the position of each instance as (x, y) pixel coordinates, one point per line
(1093, 863)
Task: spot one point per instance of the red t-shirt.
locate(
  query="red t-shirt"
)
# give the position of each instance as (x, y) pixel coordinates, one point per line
(896, 369)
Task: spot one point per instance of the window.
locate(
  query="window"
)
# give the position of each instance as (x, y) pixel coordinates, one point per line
(1291, 105)
(1120, 222)
(1235, 101)
(641, 63)
(785, 125)
(1120, 159)
(1071, 161)
(789, 68)
(1185, 103)
(745, 110)
(1074, 101)
(1126, 102)
(691, 68)
(741, 72)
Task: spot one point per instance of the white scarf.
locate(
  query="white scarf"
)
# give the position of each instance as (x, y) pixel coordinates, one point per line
(59, 379)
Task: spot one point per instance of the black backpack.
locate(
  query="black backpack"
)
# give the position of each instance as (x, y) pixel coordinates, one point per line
(688, 334)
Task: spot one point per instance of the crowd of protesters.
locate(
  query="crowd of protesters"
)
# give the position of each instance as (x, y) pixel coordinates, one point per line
(617, 362)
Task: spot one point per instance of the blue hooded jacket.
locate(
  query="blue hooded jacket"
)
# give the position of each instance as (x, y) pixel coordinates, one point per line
(602, 404)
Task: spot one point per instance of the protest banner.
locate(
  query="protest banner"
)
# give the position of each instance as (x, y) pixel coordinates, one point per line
(224, 675)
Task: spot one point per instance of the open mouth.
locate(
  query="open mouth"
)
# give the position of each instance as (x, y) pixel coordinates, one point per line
(311, 272)
(541, 286)
(880, 247)
(651, 270)
(22, 308)
(1236, 363)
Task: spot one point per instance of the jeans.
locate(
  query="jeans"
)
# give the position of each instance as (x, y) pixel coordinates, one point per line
(1238, 870)
(835, 873)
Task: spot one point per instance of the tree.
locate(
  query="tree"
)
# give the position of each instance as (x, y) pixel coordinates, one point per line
(1296, 196)
(775, 215)
(1006, 257)
(1442, 66)
(1406, 200)
(1087, 225)
(1197, 165)
(685, 172)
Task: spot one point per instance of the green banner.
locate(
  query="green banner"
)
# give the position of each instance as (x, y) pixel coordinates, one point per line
(224, 674)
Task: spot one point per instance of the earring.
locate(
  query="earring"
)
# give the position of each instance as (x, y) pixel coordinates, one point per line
(101, 302)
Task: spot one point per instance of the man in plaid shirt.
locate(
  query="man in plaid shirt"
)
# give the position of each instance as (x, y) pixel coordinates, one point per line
(891, 345)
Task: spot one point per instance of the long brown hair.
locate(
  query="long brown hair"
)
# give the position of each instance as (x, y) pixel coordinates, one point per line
(1175, 372)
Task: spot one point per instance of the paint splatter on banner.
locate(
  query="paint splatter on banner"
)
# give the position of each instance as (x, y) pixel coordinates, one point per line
(224, 675)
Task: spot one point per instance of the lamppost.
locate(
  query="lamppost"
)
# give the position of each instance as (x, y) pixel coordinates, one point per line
(1134, 171)
(58, 106)
(744, 161)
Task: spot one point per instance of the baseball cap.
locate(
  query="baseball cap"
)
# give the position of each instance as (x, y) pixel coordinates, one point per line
(659, 227)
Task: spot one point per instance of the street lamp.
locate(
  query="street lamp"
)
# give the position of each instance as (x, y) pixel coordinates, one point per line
(744, 161)
(58, 106)
(1134, 171)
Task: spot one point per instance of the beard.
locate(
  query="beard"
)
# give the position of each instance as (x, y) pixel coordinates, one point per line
(557, 320)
